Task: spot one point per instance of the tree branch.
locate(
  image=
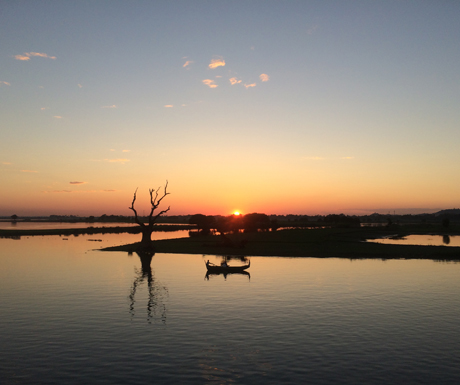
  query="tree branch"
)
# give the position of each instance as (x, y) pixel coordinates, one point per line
(136, 218)
(155, 203)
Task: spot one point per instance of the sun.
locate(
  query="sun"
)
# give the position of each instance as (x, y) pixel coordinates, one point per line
(236, 213)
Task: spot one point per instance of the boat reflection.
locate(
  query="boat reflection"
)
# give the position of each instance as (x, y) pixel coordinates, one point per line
(225, 274)
(445, 239)
(156, 308)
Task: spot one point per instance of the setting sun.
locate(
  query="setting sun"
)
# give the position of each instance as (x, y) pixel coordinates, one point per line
(236, 213)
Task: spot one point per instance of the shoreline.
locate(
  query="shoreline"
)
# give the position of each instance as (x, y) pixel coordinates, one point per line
(7, 233)
(316, 243)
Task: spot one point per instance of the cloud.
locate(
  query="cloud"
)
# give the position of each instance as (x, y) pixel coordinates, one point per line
(78, 182)
(250, 85)
(125, 150)
(21, 57)
(109, 190)
(347, 157)
(122, 161)
(187, 63)
(28, 55)
(5, 83)
(79, 86)
(112, 106)
(234, 81)
(218, 62)
(169, 106)
(33, 171)
(44, 108)
(264, 77)
(6, 163)
(57, 117)
(210, 83)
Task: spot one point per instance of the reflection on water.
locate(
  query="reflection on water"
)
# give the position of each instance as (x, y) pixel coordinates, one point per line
(446, 239)
(225, 275)
(71, 315)
(156, 292)
(422, 240)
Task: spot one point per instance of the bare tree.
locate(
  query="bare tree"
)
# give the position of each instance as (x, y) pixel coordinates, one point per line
(147, 228)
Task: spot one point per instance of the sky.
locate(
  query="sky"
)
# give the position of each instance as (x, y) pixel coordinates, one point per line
(278, 107)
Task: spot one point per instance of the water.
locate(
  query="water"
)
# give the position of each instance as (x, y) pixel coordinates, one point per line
(73, 315)
(422, 240)
(8, 225)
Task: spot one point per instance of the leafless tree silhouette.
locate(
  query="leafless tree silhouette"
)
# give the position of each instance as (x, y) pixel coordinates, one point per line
(147, 228)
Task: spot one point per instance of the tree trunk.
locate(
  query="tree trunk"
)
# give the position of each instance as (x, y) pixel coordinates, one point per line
(146, 236)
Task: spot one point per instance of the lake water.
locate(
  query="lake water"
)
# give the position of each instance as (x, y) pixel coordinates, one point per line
(72, 315)
(422, 240)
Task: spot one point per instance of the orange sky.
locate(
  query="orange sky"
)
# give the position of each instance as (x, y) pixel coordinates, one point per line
(286, 108)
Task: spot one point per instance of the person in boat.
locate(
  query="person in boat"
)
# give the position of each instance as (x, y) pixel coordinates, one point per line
(224, 264)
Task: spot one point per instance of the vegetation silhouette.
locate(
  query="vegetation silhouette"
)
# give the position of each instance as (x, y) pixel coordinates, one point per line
(147, 229)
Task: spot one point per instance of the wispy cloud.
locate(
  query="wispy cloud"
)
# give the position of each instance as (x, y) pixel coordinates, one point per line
(210, 83)
(126, 151)
(44, 108)
(119, 160)
(78, 182)
(264, 77)
(112, 106)
(79, 86)
(250, 85)
(169, 106)
(5, 83)
(32, 171)
(217, 62)
(187, 63)
(6, 163)
(234, 81)
(27, 55)
(347, 157)
(57, 117)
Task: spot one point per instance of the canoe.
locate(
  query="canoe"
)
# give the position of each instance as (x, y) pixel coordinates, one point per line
(226, 269)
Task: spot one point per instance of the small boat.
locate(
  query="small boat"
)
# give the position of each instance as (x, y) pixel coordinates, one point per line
(212, 268)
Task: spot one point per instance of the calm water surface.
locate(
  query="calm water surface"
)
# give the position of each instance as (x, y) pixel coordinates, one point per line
(72, 315)
(422, 240)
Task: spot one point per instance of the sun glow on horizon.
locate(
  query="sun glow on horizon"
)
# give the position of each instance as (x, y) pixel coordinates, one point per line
(236, 213)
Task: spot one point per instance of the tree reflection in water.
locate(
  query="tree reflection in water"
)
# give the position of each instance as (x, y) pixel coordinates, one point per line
(156, 308)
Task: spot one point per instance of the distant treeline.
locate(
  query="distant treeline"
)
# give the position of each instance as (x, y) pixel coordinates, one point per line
(264, 221)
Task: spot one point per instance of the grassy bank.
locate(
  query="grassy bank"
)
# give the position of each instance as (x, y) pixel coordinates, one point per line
(322, 243)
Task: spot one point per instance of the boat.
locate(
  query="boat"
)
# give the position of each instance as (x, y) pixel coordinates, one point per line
(212, 268)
